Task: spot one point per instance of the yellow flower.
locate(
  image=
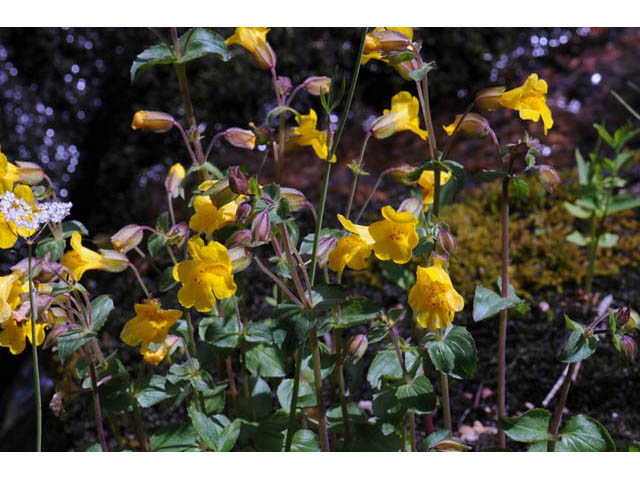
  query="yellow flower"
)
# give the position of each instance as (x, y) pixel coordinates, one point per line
(158, 122)
(433, 297)
(352, 250)
(174, 178)
(427, 182)
(209, 217)
(18, 217)
(154, 357)
(530, 100)
(373, 45)
(473, 126)
(306, 135)
(81, 259)
(14, 330)
(206, 277)
(150, 325)
(254, 39)
(395, 237)
(402, 116)
(9, 173)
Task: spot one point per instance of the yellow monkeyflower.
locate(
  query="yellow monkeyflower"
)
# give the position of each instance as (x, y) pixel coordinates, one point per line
(427, 182)
(402, 116)
(473, 126)
(352, 250)
(150, 325)
(395, 237)
(254, 40)
(17, 215)
(81, 259)
(307, 135)
(374, 42)
(209, 217)
(433, 297)
(530, 100)
(206, 277)
(9, 173)
(14, 330)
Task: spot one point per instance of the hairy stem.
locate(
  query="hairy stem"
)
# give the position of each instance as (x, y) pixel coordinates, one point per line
(407, 378)
(502, 334)
(96, 400)
(317, 377)
(356, 174)
(557, 416)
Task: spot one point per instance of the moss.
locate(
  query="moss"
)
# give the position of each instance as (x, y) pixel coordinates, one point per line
(540, 255)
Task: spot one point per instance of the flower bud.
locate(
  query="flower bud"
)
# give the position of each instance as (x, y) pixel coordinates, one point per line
(29, 173)
(356, 346)
(158, 122)
(447, 241)
(242, 212)
(239, 238)
(174, 179)
(325, 246)
(219, 191)
(473, 126)
(284, 85)
(238, 182)
(178, 234)
(264, 55)
(629, 347)
(240, 138)
(385, 41)
(240, 257)
(548, 177)
(127, 238)
(411, 205)
(261, 227)
(384, 126)
(450, 445)
(405, 68)
(297, 200)
(113, 261)
(489, 98)
(401, 174)
(264, 134)
(317, 85)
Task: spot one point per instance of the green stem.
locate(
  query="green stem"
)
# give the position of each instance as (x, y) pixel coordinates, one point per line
(502, 333)
(317, 378)
(337, 341)
(34, 351)
(407, 378)
(446, 404)
(356, 174)
(96, 399)
(294, 398)
(332, 150)
(423, 95)
(593, 246)
(557, 417)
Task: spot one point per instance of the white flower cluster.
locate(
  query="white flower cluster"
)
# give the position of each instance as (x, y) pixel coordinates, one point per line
(28, 217)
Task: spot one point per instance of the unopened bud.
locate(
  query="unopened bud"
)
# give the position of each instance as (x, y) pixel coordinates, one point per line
(157, 122)
(219, 191)
(239, 238)
(240, 257)
(261, 227)
(384, 126)
(450, 445)
(548, 177)
(242, 212)
(178, 234)
(264, 55)
(127, 238)
(405, 68)
(411, 205)
(356, 346)
(174, 179)
(489, 98)
(238, 182)
(113, 261)
(325, 246)
(284, 85)
(448, 242)
(240, 138)
(629, 347)
(29, 173)
(317, 85)
(473, 126)
(401, 174)
(633, 322)
(264, 134)
(386, 41)
(297, 200)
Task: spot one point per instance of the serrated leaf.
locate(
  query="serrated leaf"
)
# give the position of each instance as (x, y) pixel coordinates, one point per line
(305, 441)
(623, 201)
(156, 55)
(153, 390)
(266, 361)
(386, 364)
(455, 354)
(221, 333)
(487, 303)
(200, 42)
(578, 347)
(52, 246)
(531, 427)
(208, 431)
(70, 341)
(419, 397)
(584, 434)
(441, 356)
(174, 438)
(306, 394)
(101, 307)
(357, 310)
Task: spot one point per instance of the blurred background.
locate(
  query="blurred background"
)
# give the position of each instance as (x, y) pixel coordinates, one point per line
(66, 102)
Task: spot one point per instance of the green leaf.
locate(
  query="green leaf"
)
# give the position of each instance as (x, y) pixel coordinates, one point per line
(101, 307)
(200, 42)
(73, 226)
(208, 431)
(162, 222)
(52, 246)
(327, 363)
(221, 333)
(261, 398)
(156, 55)
(623, 201)
(399, 274)
(459, 176)
(531, 427)
(266, 361)
(434, 438)
(418, 397)
(487, 303)
(357, 310)
(71, 340)
(522, 188)
(584, 434)
(386, 364)
(441, 356)
(306, 394)
(455, 354)
(608, 240)
(180, 437)
(623, 158)
(155, 243)
(305, 441)
(229, 435)
(577, 211)
(604, 134)
(578, 347)
(167, 282)
(490, 175)
(420, 73)
(154, 390)
(577, 238)
(277, 111)
(327, 296)
(583, 169)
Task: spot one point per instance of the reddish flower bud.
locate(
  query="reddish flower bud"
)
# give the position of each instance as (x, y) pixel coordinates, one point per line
(448, 242)
(317, 85)
(629, 347)
(284, 85)
(157, 122)
(238, 182)
(356, 346)
(548, 177)
(29, 173)
(239, 238)
(240, 257)
(325, 246)
(127, 238)
(489, 98)
(243, 212)
(401, 174)
(240, 138)
(261, 227)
